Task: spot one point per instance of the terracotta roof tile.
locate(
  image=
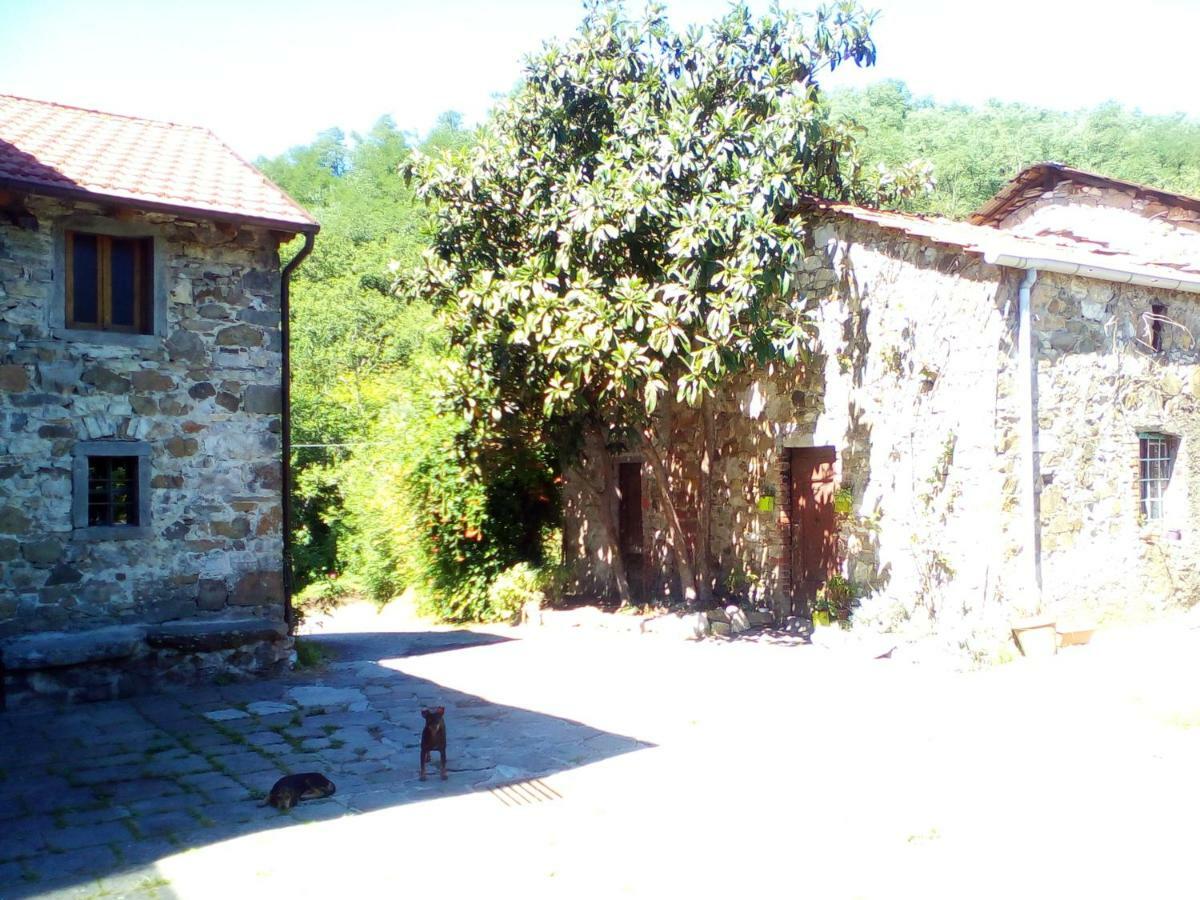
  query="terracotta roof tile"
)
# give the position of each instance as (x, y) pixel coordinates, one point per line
(63, 150)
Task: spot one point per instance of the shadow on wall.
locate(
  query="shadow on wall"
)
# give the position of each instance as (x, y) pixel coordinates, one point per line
(105, 790)
(858, 537)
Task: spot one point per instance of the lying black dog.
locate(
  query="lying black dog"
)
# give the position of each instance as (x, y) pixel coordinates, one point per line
(433, 737)
(290, 789)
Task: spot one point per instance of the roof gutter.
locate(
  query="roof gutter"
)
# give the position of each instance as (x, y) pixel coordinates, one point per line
(1062, 267)
(286, 425)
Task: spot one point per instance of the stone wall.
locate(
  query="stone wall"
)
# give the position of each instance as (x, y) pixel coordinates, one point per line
(909, 384)
(1099, 385)
(204, 394)
(914, 383)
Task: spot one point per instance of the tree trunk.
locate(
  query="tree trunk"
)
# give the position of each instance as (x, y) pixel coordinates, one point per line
(675, 536)
(604, 500)
(708, 461)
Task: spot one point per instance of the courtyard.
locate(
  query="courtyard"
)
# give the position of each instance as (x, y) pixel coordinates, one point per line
(585, 762)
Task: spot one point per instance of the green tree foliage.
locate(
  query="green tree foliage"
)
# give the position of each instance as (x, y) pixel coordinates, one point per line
(384, 491)
(973, 151)
(418, 513)
(350, 334)
(625, 230)
(349, 328)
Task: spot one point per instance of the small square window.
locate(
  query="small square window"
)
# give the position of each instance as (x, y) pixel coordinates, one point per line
(109, 283)
(112, 490)
(1156, 459)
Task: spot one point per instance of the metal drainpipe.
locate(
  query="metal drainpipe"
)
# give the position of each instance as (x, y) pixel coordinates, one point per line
(286, 423)
(1026, 370)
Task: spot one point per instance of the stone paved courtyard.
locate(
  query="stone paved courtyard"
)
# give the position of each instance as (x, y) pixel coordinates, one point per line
(91, 797)
(643, 767)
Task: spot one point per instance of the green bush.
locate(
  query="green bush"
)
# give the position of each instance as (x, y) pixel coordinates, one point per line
(322, 595)
(513, 588)
(309, 655)
(555, 580)
(316, 519)
(424, 510)
(415, 510)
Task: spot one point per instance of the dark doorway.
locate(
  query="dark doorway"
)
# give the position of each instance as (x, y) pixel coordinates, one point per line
(814, 525)
(629, 521)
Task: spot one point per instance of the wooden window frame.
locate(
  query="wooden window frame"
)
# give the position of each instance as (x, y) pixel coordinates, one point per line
(143, 284)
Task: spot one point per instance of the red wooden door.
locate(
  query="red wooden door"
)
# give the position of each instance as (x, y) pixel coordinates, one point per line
(629, 526)
(814, 526)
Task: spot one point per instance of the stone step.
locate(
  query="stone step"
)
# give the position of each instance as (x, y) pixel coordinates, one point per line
(205, 636)
(52, 649)
(57, 649)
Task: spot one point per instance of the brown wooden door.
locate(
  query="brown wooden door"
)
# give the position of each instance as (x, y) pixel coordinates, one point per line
(814, 526)
(629, 526)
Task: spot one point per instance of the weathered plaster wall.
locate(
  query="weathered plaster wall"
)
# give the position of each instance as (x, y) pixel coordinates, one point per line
(205, 395)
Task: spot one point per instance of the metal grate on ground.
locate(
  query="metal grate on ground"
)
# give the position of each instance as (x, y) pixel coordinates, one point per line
(525, 793)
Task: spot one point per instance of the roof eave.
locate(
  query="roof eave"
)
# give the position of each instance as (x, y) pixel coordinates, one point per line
(66, 192)
(1003, 249)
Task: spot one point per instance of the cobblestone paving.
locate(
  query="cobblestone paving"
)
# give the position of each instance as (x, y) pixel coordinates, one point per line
(92, 796)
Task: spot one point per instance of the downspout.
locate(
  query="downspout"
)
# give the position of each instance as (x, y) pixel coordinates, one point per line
(1027, 401)
(286, 424)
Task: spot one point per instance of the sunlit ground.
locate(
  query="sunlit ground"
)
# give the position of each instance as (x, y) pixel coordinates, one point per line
(788, 772)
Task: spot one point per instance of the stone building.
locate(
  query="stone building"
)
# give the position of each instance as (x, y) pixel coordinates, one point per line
(999, 418)
(143, 374)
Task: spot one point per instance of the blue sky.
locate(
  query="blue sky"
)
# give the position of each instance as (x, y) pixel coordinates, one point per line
(267, 74)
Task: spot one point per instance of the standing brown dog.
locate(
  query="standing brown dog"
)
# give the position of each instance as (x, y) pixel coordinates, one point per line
(433, 737)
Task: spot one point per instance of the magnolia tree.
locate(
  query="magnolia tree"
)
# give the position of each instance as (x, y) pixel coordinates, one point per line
(624, 233)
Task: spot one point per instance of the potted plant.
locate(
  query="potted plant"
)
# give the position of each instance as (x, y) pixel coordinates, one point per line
(840, 594)
(843, 502)
(822, 610)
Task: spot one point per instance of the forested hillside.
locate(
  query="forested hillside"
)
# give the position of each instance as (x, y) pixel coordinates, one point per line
(975, 150)
(388, 496)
